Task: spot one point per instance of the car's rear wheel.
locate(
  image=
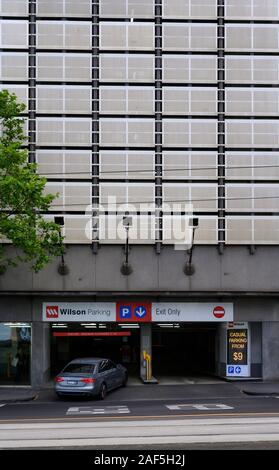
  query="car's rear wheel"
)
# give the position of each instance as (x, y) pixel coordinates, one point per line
(103, 392)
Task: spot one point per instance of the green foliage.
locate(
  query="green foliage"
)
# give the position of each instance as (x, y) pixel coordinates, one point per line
(22, 198)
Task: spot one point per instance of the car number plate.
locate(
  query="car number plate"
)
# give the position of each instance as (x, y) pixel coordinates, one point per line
(72, 382)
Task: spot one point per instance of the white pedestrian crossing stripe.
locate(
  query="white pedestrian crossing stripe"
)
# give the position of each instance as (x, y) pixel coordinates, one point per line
(2, 404)
(200, 407)
(91, 410)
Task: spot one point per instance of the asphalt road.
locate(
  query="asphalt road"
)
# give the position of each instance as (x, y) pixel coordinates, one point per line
(151, 402)
(215, 417)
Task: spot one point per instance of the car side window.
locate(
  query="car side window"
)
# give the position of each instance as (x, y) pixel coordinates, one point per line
(103, 366)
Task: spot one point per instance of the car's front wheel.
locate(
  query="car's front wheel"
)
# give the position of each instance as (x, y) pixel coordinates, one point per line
(103, 392)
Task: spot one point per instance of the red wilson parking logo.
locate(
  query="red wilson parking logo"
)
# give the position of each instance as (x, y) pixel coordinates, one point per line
(219, 312)
(52, 311)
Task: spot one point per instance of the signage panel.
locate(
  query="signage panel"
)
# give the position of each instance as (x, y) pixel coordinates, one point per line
(237, 341)
(238, 371)
(192, 311)
(238, 364)
(79, 311)
(138, 312)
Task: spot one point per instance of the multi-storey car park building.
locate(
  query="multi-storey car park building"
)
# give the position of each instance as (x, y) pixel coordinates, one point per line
(149, 101)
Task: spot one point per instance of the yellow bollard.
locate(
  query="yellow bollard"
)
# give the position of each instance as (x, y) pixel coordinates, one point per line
(147, 358)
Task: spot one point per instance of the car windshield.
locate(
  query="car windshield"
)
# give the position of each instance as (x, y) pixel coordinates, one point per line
(79, 368)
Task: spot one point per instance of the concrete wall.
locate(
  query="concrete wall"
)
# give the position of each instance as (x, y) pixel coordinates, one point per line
(235, 271)
(257, 366)
(40, 370)
(270, 350)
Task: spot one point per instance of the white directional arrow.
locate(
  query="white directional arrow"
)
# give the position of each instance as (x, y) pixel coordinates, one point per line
(140, 311)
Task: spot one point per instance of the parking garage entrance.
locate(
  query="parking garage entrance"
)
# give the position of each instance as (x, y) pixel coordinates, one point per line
(183, 350)
(120, 343)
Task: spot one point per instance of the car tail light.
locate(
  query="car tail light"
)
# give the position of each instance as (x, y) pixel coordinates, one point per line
(59, 379)
(88, 381)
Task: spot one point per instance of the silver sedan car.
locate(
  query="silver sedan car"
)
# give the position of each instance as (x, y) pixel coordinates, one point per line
(90, 377)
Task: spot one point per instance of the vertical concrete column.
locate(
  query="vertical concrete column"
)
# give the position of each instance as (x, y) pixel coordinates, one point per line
(146, 352)
(220, 350)
(40, 368)
(270, 350)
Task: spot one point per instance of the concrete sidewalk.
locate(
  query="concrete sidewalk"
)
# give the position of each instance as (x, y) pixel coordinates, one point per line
(259, 388)
(16, 394)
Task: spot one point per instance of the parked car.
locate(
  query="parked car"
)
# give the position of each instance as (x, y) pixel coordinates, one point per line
(90, 377)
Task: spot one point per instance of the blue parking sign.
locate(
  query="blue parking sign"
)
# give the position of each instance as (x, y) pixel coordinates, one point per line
(230, 369)
(125, 311)
(140, 311)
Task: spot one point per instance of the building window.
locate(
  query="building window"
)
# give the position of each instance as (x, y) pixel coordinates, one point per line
(77, 228)
(64, 67)
(252, 197)
(175, 227)
(189, 69)
(13, 66)
(252, 133)
(14, 34)
(252, 9)
(123, 36)
(68, 8)
(189, 133)
(127, 132)
(64, 99)
(126, 68)
(184, 37)
(192, 9)
(127, 100)
(252, 165)
(15, 353)
(126, 165)
(68, 132)
(203, 197)
(21, 91)
(111, 230)
(13, 7)
(130, 195)
(252, 37)
(70, 164)
(256, 230)
(189, 100)
(179, 165)
(252, 101)
(64, 35)
(71, 196)
(252, 69)
(127, 9)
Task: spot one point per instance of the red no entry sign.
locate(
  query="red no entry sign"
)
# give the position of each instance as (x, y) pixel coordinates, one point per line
(219, 312)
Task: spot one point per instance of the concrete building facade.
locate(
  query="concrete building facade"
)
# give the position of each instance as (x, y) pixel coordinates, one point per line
(160, 111)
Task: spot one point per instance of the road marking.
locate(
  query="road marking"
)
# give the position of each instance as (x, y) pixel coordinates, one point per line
(2, 405)
(90, 410)
(200, 407)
